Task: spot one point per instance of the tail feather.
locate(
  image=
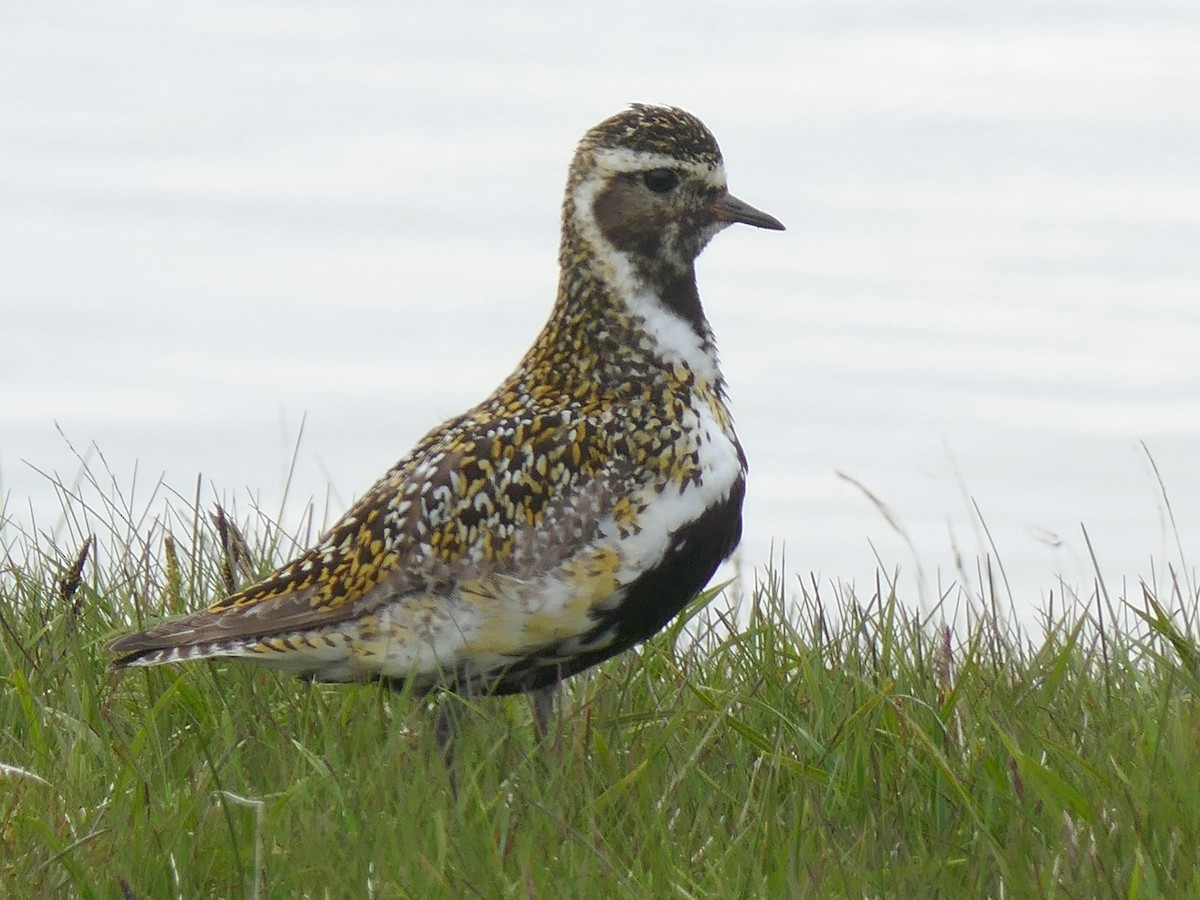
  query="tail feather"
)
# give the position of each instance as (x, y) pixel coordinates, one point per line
(286, 630)
(190, 637)
(156, 656)
(315, 652)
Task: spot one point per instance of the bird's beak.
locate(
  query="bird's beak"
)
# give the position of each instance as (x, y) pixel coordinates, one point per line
(728, 208)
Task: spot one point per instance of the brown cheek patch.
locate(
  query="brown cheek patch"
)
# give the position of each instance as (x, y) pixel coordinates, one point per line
(626, 218)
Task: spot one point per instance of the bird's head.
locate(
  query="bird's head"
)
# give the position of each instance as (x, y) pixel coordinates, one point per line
(649, 183)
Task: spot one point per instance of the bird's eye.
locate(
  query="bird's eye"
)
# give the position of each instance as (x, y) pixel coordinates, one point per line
(660, 180)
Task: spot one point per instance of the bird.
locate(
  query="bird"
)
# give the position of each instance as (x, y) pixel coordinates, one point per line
(570, 515)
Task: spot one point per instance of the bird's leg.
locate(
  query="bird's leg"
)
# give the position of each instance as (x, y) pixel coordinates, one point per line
(542, 700)
(451, 709)
(446, 730)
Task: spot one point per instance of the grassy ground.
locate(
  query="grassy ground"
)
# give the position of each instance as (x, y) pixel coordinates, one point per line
(827, 744)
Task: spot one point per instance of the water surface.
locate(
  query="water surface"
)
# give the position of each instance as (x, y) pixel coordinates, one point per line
(219, 221)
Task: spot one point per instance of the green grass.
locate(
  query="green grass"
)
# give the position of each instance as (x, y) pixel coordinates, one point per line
(813, 743)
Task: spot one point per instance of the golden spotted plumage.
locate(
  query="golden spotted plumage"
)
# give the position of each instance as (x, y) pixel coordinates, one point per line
(569, 514)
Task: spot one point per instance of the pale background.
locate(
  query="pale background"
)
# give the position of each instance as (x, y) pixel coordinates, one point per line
(218, 220)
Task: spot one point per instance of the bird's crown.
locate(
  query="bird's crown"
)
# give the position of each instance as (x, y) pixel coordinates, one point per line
(662, 130)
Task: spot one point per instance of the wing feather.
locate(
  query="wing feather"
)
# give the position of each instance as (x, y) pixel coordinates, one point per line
(476, 499)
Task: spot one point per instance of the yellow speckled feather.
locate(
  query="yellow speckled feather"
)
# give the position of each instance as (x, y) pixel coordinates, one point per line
(569, 514)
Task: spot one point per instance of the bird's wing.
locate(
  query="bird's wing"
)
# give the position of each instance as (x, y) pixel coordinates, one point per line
(477, 498)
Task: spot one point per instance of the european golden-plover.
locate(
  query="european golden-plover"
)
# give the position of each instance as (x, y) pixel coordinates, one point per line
(571, 514)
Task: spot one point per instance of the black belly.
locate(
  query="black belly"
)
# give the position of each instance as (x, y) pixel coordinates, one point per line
(651, 602)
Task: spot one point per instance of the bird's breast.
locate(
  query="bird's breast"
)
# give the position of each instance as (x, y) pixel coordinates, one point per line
(701, 471)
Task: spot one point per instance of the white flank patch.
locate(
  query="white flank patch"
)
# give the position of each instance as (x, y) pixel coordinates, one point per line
(673, 509)
(403, 648)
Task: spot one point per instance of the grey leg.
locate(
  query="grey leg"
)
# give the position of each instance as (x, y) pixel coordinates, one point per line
(446, 729)
(542, 700)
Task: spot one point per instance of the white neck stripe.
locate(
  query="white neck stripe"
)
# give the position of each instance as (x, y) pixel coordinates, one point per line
(672, 338)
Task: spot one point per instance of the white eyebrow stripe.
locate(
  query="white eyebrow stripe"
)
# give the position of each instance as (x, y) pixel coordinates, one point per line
(615, 160)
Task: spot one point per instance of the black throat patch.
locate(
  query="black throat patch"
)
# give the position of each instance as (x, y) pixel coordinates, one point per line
(635, 228)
